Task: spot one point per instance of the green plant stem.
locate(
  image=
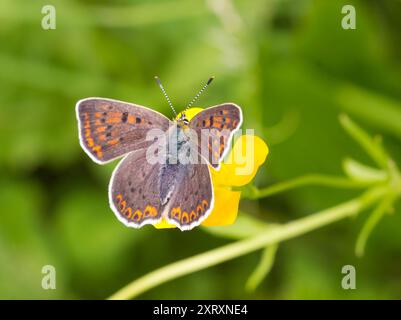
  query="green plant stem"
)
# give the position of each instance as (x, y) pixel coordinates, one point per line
(259, 241)
(262, 270)
(372, 147)
(371, 222)
(311, 180)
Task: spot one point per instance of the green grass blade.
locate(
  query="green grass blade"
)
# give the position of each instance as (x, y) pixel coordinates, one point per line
(371, 146)
(263, 268)
(371, 222)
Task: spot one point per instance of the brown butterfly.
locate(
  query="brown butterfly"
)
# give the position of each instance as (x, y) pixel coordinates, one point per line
(144, 192)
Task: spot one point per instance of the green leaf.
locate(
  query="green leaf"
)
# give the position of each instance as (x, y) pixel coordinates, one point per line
(360, 172)
(245, 226)
(372, 146)
(263, 268)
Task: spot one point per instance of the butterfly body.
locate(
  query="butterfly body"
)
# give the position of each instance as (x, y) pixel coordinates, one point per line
(177, 185)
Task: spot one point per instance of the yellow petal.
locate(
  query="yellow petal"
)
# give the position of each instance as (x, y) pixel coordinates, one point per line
(240, 166)
(190, 113)
(224, 211)
(164, 225)
(225, 208)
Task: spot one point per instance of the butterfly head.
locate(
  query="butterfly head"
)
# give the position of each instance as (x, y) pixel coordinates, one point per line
(182, 120)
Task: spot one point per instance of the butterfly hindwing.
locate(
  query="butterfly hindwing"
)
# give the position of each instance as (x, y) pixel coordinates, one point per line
(134, 190)
(215, 127)
(109, 129)
(192, 199)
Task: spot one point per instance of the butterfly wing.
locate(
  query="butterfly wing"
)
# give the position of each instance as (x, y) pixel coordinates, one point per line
(192, 199)
(215, 127)
(109, 129)
(134, 190)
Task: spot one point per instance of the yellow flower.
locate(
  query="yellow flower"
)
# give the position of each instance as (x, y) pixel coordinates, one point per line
(238, 169)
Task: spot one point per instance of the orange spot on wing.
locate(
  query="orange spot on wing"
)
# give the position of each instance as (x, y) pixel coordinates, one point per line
(218, 119)
(137, 215)
(90, 142)
(199, 209)
(113, 120)
(122, 205)
(176, 213)
(184, 217)
(102, 138)
(150, 211)
(131, 119)
(192, 216)
(113, 142)
(101, 129)
(98, 150)
(128, 212)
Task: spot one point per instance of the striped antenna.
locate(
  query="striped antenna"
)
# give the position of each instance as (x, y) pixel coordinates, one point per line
(199, 93)
(165, 94)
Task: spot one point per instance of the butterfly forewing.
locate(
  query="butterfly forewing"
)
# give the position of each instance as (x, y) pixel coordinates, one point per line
(215, 127)
(134, 190)
(109, 129)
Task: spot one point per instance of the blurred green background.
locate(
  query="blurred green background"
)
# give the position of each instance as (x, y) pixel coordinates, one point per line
(288, 63)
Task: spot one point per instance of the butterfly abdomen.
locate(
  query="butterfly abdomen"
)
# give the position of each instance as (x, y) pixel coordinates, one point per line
(168, 179)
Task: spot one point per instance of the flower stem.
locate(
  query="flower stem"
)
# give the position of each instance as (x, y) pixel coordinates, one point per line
(372, 221)
(259, 241)
(311, 179)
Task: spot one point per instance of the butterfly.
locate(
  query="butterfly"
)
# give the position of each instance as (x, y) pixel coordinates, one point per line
(144, 192)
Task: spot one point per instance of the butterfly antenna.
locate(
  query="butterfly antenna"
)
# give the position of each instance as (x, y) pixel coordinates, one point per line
(159, 83)
(200, 92)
